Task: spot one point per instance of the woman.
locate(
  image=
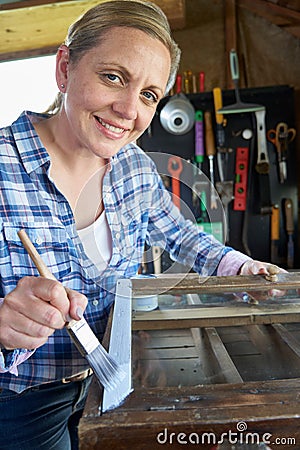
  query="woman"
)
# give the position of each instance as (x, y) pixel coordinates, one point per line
(89, 198)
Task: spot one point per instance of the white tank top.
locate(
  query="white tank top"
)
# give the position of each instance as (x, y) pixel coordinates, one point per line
(97, 242)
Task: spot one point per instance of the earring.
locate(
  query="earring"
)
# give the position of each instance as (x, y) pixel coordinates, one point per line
(62, 86)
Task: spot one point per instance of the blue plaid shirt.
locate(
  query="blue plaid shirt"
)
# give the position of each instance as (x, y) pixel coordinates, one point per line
(138, 208)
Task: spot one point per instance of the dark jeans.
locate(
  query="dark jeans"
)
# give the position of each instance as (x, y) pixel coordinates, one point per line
(43, 417)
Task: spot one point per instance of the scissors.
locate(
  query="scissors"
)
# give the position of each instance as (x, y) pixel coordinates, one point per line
(280, 138)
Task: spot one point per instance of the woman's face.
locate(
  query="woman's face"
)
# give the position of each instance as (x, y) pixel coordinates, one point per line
(112, 92)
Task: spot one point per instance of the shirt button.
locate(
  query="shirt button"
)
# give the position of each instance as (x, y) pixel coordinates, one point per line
(95, 302)
(38, 240)
(117, 235)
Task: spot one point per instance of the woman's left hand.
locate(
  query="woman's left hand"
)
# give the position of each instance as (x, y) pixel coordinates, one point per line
(253, 267)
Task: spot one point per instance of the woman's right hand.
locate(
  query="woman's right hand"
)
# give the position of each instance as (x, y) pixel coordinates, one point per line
(34, 310)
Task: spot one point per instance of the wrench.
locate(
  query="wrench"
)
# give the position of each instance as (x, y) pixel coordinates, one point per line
(175, 169)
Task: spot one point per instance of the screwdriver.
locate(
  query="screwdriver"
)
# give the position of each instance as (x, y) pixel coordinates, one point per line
(210, 152)
(199, 144)
(220, 132)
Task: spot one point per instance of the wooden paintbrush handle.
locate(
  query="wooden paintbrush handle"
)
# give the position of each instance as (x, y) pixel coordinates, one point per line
(34, 255)
(40, 265)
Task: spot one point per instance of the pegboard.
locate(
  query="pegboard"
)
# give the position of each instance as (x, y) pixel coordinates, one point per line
(249, 228)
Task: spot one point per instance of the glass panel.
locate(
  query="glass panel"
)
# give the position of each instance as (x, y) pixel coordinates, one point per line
(210, 355)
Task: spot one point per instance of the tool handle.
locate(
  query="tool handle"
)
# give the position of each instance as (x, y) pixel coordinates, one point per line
(289, 215)
(194, 84)
(275, 220)
(234, 65)
(186, 85)
(39, 263)
(217, 93)
(201, 81)
(34, 255)
(209, 135)
(178, 83)
(199, 144)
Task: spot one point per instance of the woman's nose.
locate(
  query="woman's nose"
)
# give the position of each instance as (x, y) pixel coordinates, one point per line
(126, 105)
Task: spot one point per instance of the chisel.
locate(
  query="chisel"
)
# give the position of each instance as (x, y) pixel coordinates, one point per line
(220, 132)
(210, 152)
(289, 225)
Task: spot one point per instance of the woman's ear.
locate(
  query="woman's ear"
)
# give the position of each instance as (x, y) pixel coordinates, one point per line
(62, 63)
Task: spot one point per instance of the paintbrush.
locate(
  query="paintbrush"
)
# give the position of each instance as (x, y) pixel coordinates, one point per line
(106, 370)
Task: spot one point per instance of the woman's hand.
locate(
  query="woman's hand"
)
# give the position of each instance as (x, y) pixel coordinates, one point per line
(34, 310)
(253, 267)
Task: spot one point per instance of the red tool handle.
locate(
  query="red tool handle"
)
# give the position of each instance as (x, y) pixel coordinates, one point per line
(201, 81)
(178, 84)
(175, 169)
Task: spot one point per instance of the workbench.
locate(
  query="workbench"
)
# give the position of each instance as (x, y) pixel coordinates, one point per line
(219, 358)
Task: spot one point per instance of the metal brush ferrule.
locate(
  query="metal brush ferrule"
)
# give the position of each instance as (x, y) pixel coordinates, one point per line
(86, 341)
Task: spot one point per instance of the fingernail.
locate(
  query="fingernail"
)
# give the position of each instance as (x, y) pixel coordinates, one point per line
(79, 312)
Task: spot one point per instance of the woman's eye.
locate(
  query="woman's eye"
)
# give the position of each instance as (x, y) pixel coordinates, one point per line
(150, 96)
(112, 77)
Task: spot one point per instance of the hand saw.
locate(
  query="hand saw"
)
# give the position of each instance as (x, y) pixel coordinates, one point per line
(120, 345)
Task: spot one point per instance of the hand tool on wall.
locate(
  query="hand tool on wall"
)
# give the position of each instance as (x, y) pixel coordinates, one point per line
(210, 152)
(199, 189)
(275, 234)
(175, 168)
(194, 84)
(289, 225)
(201, 81)
(225, 191)
(178, 114)
(178, 84)
(156, 258)
(199, 139)
(263, 164)
(238, 106)
(220, 132)
(187, 81)
(241, 179)
(280, 138)
(204, 221)
(242, 107)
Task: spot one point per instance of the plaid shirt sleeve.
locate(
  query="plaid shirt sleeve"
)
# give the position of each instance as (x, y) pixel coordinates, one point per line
(146, 212)
(9, 360)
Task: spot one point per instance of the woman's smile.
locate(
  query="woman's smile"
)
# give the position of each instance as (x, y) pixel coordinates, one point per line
(116, 130)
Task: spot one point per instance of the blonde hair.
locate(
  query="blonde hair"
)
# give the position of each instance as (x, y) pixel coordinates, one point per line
(87, 31)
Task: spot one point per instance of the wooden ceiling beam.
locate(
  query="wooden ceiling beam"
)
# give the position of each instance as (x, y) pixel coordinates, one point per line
(31, 30)
(286, 18)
